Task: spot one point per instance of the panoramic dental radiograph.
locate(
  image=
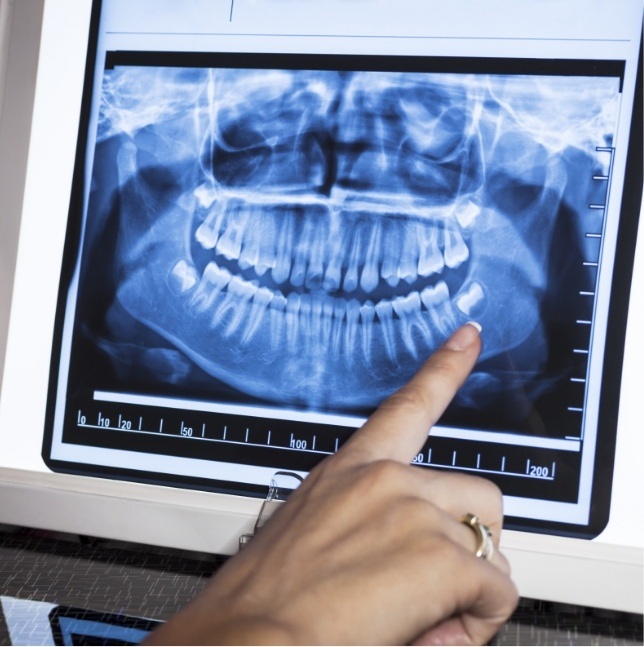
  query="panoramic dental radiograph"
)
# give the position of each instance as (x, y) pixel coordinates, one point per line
(308, 237)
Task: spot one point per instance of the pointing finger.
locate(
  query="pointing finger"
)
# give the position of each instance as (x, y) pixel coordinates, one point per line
(399, 427)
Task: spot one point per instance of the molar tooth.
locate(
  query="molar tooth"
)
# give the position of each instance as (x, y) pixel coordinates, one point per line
(276, 309)
(471, 300)
(430, 259)
(439, 306)
(238, 296)
(282, 268)
(355, 256)
(207, 233)
(183, 277)
(292, 316)
(385, 313)
(408, 310)
(258, 307)
(408, 268)
(467, 213)
(456, 251)
(367, 315)
(339, 311)
(206, 194)
(351, 330)
(230, 242)
(369, 279)
(213, 281)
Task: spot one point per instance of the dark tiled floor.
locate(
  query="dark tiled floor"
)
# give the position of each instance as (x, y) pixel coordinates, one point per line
(93, 584)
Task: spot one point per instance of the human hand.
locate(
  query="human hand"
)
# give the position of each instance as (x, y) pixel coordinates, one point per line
(368, 550)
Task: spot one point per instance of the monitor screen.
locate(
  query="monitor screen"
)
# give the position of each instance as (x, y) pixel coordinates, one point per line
(273, 216)
(262, 246)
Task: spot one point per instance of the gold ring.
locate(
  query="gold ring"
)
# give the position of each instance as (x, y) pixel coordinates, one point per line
(484, 547)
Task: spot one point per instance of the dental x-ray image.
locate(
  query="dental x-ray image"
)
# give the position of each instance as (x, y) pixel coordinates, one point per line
(307, 237)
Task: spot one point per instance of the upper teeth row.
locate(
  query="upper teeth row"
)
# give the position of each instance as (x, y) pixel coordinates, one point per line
(315, 250)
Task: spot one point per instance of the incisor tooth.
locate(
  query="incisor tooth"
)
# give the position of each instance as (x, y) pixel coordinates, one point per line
(292, 317)
(351, 330)
(385, 313)
(369, 279)
(391, 251)
(355, 256)
(282, 269)
(301, 253)
(276, 309)
(339, 311)
(367, 315)
(408, 268)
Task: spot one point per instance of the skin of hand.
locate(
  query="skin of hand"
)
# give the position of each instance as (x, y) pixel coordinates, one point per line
(369, 549)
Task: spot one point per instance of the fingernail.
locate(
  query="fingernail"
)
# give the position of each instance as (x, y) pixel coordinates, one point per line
(464, 336)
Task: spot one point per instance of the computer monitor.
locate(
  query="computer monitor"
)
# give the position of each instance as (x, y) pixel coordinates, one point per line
(245, 224)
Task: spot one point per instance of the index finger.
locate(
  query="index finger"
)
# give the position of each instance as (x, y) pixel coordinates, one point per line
(400, 425)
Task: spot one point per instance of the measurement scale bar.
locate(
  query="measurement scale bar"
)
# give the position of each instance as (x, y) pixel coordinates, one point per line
(499, 437)
(479, 470)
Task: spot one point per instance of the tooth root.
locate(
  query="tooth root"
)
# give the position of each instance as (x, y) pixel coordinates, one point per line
(369, 279)
(315, 272)
(408, 310)
(430, 259)
(183, 277)
(351, 328)
(256, 314)
(338, 239)
(367, 315)
(339, 312)
(276, 311)
(408, 268)
(213, 281)
(305, 322)
(355, 256)
(471, 300)
(385, 313)
(326, 320)
(267, 244)
(456, 251)
(292, 320)
(467, 213)
(230, 242)
(207, 233)
(249, 256)
(439, 306)
(282, 269)
(316, 320)
(391, 251)
(301, 255)
(238, 296)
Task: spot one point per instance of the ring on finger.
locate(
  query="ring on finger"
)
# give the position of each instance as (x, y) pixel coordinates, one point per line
(484, 546)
